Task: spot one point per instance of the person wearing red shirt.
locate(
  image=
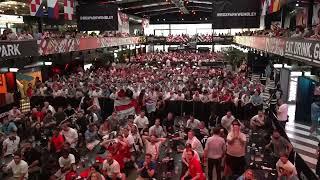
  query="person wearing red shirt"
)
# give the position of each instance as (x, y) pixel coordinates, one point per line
(57, 141)
(195, 169)
(37, 114)
(29, 90)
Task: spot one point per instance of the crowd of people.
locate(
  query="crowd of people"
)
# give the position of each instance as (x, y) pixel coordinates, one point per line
(168, 57)
(201, 38)
(275, 31)
(9, 35)
(81, 143)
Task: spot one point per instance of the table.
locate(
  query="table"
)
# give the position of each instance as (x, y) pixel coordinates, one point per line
(260, 160)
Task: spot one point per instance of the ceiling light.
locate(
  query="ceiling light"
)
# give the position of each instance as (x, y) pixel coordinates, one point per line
(297, 4)
(13, 69)
(47, 63)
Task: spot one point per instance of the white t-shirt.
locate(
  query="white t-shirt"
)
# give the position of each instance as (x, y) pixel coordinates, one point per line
(236, 149)
(12, 145)
(283, 112)
(179, 98)
(71, 135)
(196, 145)
(111, 169)
(280, 166)
(193, 125)
(51, 109)
(18, 169)
(227, 121)
(67, 162)
(257, 120)
(153, 149)
(130, 141)
(141, 122)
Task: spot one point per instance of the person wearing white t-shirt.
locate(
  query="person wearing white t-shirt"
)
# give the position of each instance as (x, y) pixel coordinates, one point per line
(66, 163)
(141, 121)
(18, 167)
(193, 123)
(10, 145)
(195, 143)
(282, 163)
(236, 150)
(227, 120)
(152, 144)
(197, 96)
(179, 96)
(282, 113)
(128, 138)
(111, 168)
(47, 107)
(257, 120)
(70, 135)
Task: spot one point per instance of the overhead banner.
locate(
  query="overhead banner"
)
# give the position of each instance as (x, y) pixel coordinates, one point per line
(156, 39)
(297, 49)
(16, 49)
(235, 14)
(54, 46)
(97, 17)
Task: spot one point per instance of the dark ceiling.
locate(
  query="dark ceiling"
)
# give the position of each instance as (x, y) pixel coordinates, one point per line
(160, 7)
(157, 10)
(164, 11)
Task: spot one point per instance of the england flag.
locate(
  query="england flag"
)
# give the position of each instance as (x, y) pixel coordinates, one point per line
(68, 9)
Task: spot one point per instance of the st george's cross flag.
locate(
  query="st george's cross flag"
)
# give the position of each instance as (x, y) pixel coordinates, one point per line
(53, 9)
(36, 8)
(68, 9)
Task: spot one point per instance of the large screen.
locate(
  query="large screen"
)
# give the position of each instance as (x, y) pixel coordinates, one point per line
(236, 14)
(96, 16)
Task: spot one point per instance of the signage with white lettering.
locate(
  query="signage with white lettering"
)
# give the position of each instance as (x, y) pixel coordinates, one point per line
(235, 14)
(297, 49)
(15, 49)
(97, 16)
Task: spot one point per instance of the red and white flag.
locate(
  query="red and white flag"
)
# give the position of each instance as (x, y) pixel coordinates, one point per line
(123, 105)
(36, 8)
(68, 9)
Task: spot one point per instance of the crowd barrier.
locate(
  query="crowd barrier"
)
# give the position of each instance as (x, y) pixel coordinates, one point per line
(200, 110)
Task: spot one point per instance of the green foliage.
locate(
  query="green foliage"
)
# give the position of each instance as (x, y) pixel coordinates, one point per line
(234, 57)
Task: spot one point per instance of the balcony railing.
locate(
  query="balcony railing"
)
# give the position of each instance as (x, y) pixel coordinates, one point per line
(27, 48)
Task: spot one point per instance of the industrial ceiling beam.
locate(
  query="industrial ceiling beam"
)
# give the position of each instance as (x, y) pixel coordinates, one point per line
(181, 6)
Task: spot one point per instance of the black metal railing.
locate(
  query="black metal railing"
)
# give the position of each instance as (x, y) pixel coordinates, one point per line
(303, 169)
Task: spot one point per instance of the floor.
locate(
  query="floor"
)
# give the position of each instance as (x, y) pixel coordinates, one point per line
(303, 143)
